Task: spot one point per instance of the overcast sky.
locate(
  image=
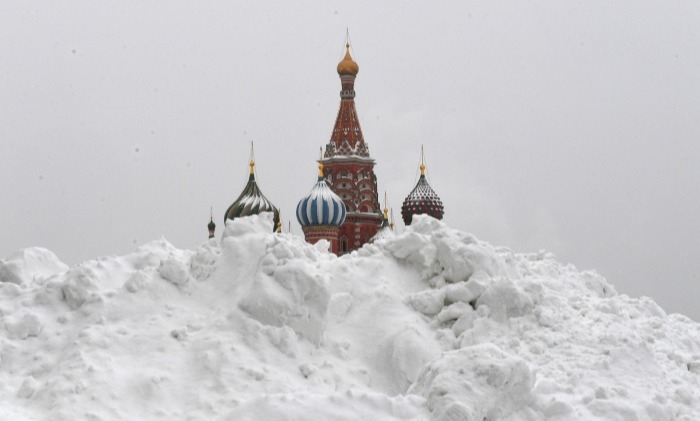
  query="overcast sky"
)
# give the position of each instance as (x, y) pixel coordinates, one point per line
(570, 126)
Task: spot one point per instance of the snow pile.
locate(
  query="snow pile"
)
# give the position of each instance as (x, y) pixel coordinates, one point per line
(28, 264)
(432, 324)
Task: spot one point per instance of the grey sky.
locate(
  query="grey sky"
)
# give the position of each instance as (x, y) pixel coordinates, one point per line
(567, 126)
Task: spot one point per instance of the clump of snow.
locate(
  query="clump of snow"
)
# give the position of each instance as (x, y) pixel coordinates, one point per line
(174, 271)
(475, 383)
(428, 324)
(22, 326)
(29, 264)
(80, 285)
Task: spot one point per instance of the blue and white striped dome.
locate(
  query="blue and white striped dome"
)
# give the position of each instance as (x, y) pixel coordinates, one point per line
(321, 207)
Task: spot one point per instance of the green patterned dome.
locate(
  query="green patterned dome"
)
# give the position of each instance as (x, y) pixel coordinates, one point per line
(252, 202)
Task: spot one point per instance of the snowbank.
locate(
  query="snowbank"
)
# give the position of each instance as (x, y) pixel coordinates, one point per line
(430, 324)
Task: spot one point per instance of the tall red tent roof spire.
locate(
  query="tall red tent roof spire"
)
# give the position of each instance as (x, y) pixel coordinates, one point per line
(347, 139)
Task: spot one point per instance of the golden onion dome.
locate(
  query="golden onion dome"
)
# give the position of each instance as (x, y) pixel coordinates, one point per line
(347, 65)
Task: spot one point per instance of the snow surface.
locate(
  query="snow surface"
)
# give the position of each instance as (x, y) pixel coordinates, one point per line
(431, 324)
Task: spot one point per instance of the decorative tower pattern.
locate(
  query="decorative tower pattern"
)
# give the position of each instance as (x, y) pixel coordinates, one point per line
(321, 213)
(251, 201)
(348, 167)
(422, 199)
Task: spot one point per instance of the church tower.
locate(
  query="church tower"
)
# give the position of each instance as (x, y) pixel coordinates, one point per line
(252, 201)
(422, 200)
(321, 213)
(211, 225)
(348, 168)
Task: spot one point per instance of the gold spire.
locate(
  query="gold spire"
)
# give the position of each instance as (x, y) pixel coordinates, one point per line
(320, 164)
(347, 65)
(391, 224)
(279, 223)
(252, 158)
(386, 209)
(422, 162)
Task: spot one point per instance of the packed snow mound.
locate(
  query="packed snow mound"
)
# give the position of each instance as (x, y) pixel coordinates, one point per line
(29, 264)
(431, 324)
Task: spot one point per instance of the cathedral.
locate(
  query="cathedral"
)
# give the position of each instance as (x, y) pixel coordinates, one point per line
(343, 206)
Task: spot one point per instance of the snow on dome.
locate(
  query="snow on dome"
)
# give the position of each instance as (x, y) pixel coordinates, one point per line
(321, 207)
(386, 231)
(430, 325)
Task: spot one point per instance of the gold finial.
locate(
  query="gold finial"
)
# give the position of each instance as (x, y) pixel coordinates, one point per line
(422, 161)
(391, 224)
(320, 164)
(386, 209)
(279, 222)
(252, 158)
(347, 65)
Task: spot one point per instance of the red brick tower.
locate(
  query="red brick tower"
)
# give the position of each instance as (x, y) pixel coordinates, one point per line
(348, 168)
